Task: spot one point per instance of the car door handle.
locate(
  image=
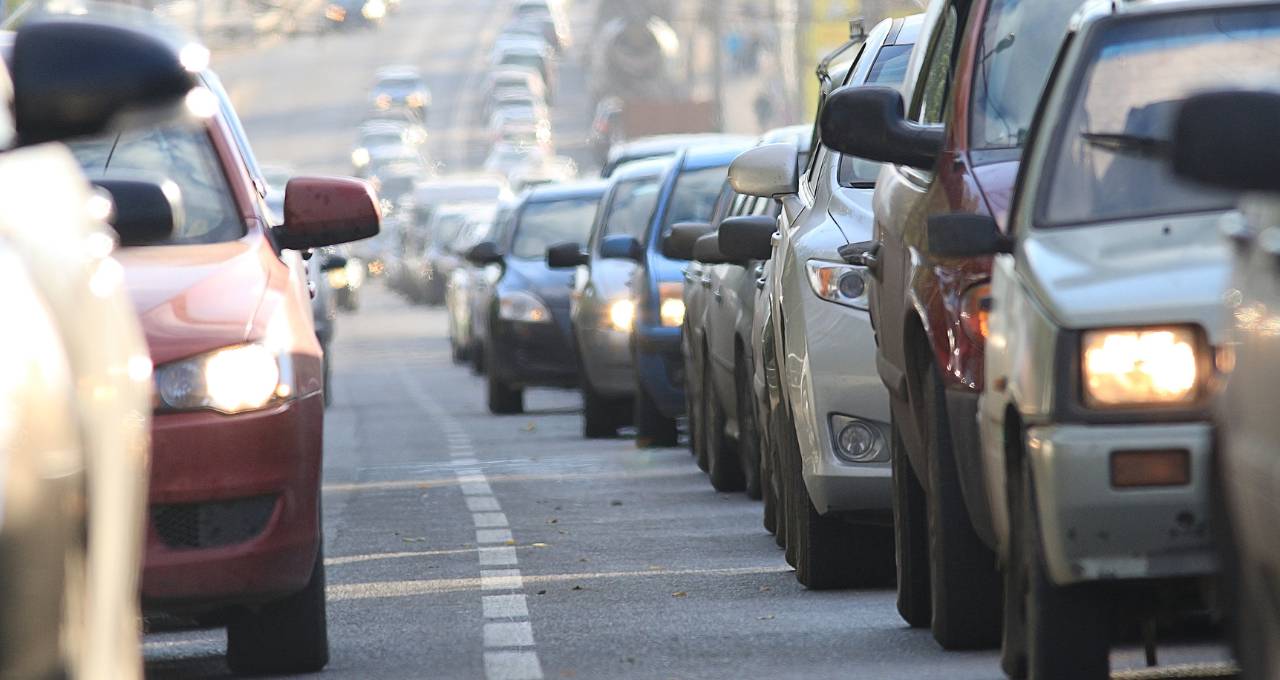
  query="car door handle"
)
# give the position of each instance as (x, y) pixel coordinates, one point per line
(864, 254)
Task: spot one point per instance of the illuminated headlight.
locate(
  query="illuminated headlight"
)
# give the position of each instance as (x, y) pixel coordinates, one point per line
(521, 306)
(415, 100)
(622, 314)
(360, 157)
(671, 304)
(335, 13)
(839, 283)
(1141, 367)
(382, 101)
(338, 278)
(374, 10)
(231, 380)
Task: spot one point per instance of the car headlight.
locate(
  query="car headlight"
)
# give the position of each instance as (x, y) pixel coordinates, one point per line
(843, 284)
(382, 101)
(622, 314)
(522, 306)
(671, 304)
(415, 100)
(1141, 367)
(373, 10)
(229, 380)
(338, 278)
(360, 157)
(335, 13)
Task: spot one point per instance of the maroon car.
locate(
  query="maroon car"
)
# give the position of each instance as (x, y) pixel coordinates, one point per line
(953, 148)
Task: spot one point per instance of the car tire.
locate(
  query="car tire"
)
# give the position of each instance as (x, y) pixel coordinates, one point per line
(911, 537)
(1068, 628)
(477, 358)
(599, 413)
(788, 472)
(748, 433)
(723, 465)
(692, 391)
(964, 583)
(286, 636)
(459, 353)
(653, 428)
(1013, 639)
(503, 399)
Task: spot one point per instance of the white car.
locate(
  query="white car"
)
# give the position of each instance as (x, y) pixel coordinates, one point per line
(1105, 329)
(830, 432)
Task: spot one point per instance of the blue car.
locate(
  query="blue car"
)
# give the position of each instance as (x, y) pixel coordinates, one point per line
(688, 193)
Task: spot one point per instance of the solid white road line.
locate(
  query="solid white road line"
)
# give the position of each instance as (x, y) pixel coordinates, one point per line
(465, 461)
(476, 489)
(483, 504)
(512, 666)
(508, 634)
(489, 519)
(499, 556)
(494, 536)
(505, 606)
(501, 579)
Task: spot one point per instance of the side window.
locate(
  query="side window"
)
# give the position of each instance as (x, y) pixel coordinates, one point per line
(932, 102)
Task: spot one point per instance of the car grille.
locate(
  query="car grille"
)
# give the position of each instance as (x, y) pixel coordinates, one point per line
(210, 525)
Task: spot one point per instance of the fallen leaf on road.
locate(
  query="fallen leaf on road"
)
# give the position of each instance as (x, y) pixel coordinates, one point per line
(413, 540)
(654, 567)
(538, 545)
(531, 427)
(577, 588)
(553, 521)
(615, 503)
(765, 618)
(679, 593)
(765, 589)
(509, 541)
(542, 592)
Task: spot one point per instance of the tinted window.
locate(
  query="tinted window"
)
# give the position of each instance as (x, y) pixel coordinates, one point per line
(545, 224)
(632, 207)
(694, 196)
(1108, 157)
(186, 157)
(1019, 43)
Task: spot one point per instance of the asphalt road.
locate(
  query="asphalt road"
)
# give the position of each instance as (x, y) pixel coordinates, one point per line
(463, 545)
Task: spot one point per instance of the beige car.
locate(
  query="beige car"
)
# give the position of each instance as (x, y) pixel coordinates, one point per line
(75, 398)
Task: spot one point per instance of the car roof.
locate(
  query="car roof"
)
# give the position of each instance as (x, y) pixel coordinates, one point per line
(547, 193)
(643, 168)
(906, 31)
(712, 155)
(659, 145)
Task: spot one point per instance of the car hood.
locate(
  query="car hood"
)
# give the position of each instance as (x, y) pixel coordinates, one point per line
(551, 285)
(195, 298)
(1150, 272)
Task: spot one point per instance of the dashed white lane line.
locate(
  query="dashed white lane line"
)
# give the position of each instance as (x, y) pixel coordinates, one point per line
(512, 666)
(494, 536)
(465, 461)
(501, 579)
(505, 606)
(475, 488)
(489, 519)
(483, 504)
(498, 556)
(508, 634)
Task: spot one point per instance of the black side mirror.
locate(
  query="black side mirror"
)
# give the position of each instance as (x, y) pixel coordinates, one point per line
(870, 122)
(622, 247)
(146, 212)
(707, 250)
(566, 256)
(678, 243)
(966, 235)
(749, 237)
(484, 253)
(79, 78)
(1229, 140)
(332, 262)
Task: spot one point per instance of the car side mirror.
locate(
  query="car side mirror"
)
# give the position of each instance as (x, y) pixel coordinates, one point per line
(707, 250)
(332, 262)
(966, 235)
(145, 212)
(566, 256)
(768, 171)
(1229, 140)
(678, 243)
(749, 237)
(326, 211)
(79, 78)
(870, 122)
(484, 253)
(622, 248)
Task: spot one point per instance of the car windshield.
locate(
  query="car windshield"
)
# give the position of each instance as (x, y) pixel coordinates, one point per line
(1108, 160)
(889, 68)
(382, 139)
(632, 207)
(519, 59)
(447, 227)
(1017, 47)
(399, 85)
(183, 155)
(544, 224)
(694, 196)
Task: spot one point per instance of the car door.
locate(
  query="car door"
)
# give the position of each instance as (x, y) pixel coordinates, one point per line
(721, 315)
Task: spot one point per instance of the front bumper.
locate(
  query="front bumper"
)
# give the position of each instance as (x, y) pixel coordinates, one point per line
(606, 358)
(660, 367)
(532, 354)
(1094, 531)
(234, 510)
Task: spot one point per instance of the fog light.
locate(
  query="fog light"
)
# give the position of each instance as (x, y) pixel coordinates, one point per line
(1130, 469)
(856, 441)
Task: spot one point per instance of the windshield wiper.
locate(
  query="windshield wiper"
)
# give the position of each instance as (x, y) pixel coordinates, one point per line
(1125, 143)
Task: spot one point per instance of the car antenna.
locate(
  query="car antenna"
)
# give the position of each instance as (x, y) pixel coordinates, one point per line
(857, 36)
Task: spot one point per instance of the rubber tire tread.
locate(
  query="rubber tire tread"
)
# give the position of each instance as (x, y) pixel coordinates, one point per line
(289, 635)
(911, 538)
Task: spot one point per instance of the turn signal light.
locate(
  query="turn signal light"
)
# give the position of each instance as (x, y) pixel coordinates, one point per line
(1136, 469)
(975, 310)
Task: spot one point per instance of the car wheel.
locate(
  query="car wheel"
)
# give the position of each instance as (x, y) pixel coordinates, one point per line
(692, 393)
(477, 358)
(599, 413)
(286, 636)
(723, 465)
(911, 537)
(964, 583)
(787, 470)
(459, 353)
(503, 399)
(1067, 627)
(653, 429)
(1013, 640)
(748, 433)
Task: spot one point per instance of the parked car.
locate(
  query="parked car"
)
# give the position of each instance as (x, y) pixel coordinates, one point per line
(464, 284)
(527, 337)
(415, 278)
(658, 146)
(602, 310)
(74, 469)
(972, 73)
(401, 87)
(444, 254)
(1216, 140)
(233, 521)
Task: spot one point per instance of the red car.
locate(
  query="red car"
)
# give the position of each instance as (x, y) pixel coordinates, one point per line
(234, 531)
(952, 146)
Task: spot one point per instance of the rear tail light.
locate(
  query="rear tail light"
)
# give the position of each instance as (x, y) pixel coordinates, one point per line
(975, 310)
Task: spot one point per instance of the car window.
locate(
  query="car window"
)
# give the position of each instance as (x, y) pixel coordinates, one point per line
(1019, 42)
(889, 68)
(183, 155)
(542, 225)
(632, 207)
(694, 196)
(932, 103)
(1108, 157)
(447, 227)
